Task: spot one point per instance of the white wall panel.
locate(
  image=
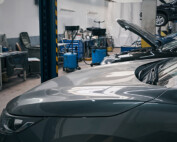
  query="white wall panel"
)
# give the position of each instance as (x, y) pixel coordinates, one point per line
(121, 10)
(85, 12)
(17, 16)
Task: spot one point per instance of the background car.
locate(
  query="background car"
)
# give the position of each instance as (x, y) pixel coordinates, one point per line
(151, 39)
(160, 48)
(166, 12)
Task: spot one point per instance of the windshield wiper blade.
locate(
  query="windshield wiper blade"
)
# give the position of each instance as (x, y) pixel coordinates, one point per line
(152, 77)
(150, 74)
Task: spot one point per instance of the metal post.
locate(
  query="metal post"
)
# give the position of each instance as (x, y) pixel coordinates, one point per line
(48, 39)
(0, 74)
(149, 11)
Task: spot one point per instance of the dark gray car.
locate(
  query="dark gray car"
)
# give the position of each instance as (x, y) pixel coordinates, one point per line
(111, 103)
(160, 47)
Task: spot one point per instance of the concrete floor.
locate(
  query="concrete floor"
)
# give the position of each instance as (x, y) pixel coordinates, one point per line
(16, 86)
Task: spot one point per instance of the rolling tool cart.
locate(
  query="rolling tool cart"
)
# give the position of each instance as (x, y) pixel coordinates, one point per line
(99, 50)
(71, 57)
(98, 56)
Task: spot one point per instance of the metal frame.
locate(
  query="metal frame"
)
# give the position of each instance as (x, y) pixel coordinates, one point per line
(0, 75)
(48, 39)
(149, 8)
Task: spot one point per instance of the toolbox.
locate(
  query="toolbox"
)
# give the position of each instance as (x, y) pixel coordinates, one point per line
(70, 61)
(98, 56)
(78, 47)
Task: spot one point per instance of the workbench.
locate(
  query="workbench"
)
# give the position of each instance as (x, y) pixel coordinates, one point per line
(9, 54)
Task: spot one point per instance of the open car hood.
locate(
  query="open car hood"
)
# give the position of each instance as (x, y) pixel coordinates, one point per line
(148, 37)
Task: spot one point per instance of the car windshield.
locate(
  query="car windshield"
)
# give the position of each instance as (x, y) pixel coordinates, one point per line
(174, 2)
(162, 73)
(170, 46)
(167, 74)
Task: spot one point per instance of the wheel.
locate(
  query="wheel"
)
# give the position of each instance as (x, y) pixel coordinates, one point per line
(161, 20)
(78, 68)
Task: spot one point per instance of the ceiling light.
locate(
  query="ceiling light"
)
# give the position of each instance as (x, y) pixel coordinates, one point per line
(128, 1)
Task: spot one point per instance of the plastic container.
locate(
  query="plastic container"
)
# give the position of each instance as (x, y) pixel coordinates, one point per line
(70, 61)
(98, 55)
(5, 49)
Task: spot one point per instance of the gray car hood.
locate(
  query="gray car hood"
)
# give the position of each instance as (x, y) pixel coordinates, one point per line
(101, 91)
(147, 36)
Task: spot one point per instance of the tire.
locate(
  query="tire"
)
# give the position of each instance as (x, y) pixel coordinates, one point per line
(161, 20)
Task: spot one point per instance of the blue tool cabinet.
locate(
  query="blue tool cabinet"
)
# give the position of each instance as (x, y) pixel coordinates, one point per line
(125, 49)
(98, 55)
(70, 61)
(76, 44)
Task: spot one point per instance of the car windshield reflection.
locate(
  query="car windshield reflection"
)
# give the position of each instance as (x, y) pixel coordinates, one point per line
(170, 46)
(161, 73)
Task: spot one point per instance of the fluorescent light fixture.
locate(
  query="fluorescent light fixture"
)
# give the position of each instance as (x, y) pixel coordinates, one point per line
(128, 1)
(67, 10)
(91, 12)
(1, 1)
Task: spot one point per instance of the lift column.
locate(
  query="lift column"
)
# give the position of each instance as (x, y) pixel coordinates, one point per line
(48, 39)
(149, 11)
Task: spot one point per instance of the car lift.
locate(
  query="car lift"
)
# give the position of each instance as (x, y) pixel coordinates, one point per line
(48, 39)
(149, 8)
(149, 18)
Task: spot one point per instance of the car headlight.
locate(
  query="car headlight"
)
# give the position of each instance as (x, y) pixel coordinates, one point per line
(13, 124)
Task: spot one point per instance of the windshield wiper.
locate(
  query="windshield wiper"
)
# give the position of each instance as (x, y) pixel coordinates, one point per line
(150, 74)
(152, 77)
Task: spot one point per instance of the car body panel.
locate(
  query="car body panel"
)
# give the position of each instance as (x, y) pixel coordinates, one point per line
(140, 54)
(148, 122)
(153, 118)
(101, 91)
(169, 97)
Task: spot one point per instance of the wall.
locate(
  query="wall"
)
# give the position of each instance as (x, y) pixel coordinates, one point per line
(122, 10)
(149, 15)
(85, 12)
(18, 16)
(22, 15)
